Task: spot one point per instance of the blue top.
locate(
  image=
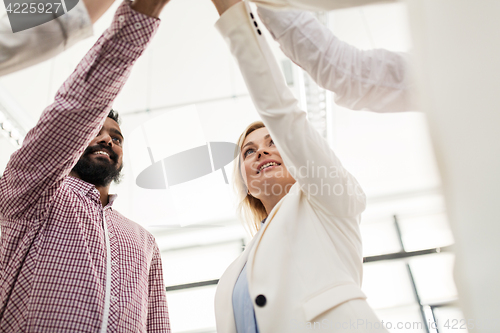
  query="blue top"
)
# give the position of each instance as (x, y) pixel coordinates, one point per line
(244, 313)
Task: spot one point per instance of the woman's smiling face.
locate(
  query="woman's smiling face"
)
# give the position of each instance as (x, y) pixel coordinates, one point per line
(261, 165)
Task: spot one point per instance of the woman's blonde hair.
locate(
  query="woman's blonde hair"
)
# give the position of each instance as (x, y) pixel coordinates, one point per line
(250, 209)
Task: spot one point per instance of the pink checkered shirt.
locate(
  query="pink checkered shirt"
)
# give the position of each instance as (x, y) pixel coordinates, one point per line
(53, 257)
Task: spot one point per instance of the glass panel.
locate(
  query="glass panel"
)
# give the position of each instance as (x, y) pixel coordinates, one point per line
(198, 263)
(417, 213)
(425, 232)
(379, 237)
(366, 145)
(386, 284)
(192, 309)
(450, 319)
(433, 276)
(402, 319)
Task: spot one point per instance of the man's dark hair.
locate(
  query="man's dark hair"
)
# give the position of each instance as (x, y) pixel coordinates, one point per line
(113, 114)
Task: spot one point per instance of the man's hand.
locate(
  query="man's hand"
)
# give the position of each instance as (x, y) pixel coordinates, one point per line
(223, 5)
(151, 8)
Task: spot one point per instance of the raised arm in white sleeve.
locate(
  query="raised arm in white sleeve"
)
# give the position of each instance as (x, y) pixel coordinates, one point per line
(376, 80)
(307, 156)
(318, 4)
(29, 47)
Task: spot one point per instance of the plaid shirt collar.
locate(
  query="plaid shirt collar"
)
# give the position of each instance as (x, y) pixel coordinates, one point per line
(89, 190)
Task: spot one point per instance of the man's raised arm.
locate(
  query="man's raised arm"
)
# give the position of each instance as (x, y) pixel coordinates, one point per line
(54, 145)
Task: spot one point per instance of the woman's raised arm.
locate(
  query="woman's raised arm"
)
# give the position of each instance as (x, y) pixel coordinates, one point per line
(307, 156)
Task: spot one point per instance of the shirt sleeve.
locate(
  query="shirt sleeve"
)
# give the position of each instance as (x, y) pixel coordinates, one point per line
(54, 145)
(317, 5)
(376, 80)
(26, 48)
(158, 320)
(305, 153)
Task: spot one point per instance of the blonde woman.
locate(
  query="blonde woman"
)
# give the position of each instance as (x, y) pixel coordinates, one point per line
(303, 268)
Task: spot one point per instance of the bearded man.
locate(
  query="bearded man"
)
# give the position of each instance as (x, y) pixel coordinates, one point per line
(69, 262)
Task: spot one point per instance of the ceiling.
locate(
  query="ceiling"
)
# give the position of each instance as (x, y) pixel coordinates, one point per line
(186, 90)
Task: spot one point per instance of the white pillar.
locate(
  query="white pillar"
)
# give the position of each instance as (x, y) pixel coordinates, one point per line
(457, 46)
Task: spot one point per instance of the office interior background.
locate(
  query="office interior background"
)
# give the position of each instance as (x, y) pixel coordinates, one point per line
(186, 90)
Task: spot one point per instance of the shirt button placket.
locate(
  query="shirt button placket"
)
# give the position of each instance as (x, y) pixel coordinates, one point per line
(114, 263)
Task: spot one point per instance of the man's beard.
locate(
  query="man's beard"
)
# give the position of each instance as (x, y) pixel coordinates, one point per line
(98, 173)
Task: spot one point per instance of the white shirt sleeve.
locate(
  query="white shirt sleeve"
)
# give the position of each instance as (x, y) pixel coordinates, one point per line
(376, 80)
(318, 4)
(26, 48)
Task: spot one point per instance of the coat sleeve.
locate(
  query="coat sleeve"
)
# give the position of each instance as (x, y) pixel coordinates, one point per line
(307, 156)
(377, 80)
(26, 48)
(318, 5)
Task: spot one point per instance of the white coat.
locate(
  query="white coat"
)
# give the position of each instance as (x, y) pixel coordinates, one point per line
(307, 259)
(318, 4)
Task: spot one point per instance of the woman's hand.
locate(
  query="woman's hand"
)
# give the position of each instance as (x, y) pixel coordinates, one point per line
(223, 5)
